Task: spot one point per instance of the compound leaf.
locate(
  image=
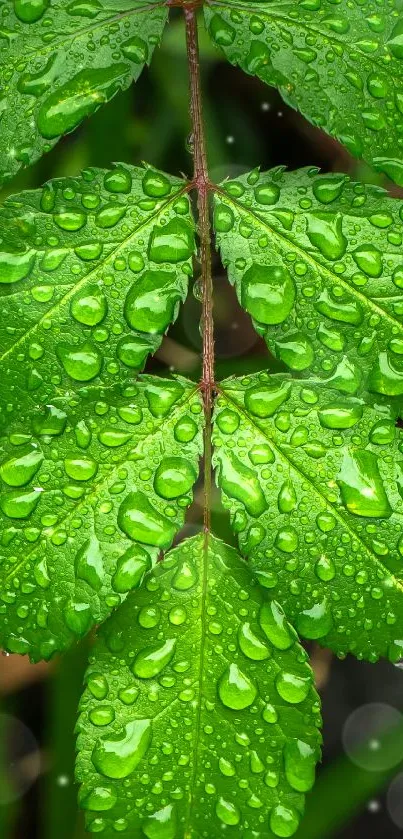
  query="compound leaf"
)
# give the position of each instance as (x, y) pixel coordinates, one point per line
(316, 260)
(342, 68)
(314, 484)
(92, 270)
(92, 487)
(61, 61)
(199, 712)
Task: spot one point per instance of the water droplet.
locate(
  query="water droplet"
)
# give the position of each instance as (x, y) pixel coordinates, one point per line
(155, 184)
(118, 756)
(263, 400)
(89, 564)
(369, 260)
(142, 522)
(241, 482)
(82, 363)
(328, 189)
(268, 293)
(251, 645)
(130, 569)
(29, 11)
(15, 266)
(151, 302)
(325, 232)
(284, 821)
(19, 505)
(150, 661)
(18, 471)
(315, 622)
(227, 812)
(221, 31)
(340, 414)
(292, 688)
(275, 626)
(296, 350)
(80, 468)
(118, 180)
(175, 476)
(162, 824)
(362, 489)
(173, 242)
(91, 307)
(66, 106)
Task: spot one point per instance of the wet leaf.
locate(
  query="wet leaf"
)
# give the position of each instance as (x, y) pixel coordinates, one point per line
(61, 61)
(92, 487)
(190, 689)
(313, 481)
(92, 271)
(316, 261)
(340, 65)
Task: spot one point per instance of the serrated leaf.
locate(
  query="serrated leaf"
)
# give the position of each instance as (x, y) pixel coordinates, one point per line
(316, 260)
(341, 67)
(314, 484)
(92, 270)
(199, 712)
(61, 61)
(92, 488)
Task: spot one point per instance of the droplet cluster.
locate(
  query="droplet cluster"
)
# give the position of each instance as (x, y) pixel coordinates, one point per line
(199, 712)
(317, 262)
(92, 271)
(314, 483)
(341, 67)
(62, 61)
(92, 487)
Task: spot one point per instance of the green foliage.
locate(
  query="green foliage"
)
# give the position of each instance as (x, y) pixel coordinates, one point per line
(199, 713)
(199, 694)
(92, 488)
(313, 481)
(60, 61)
(91, 273)
(340, 66)
(316, 261)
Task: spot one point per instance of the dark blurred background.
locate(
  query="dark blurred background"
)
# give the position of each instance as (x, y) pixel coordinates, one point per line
(359, 792)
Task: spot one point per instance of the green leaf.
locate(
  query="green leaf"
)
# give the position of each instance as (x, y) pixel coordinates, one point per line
(62, 60)
(199, 712)
(317, 261)
(92, 270)
(92, 488)
(314, 484)
(341, 67)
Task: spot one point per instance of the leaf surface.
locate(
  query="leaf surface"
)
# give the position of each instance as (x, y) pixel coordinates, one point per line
(92, 271)
(317, 262)
(92, 488)
(61, 61)
(341, 66)
(199, 713)
(313, 482)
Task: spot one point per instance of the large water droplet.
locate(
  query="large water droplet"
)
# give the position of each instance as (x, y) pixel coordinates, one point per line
(275, 626)
(251, 645)
(299, 761)
(130, 569)
(19, 470)
(142, 522)
(151, 301)
(227, 812)
(66, 106)
(173, 242)
(325, 231)
(29, 11)
(235, 689)
(19, 505)
(268, 293)
(175, 476)
(242, 483)
(362, 489)
(118, 756)
(89, 564)
(89, 307)
(340, 414)
(155, 184)
(315, 622)
(263, 400)
(150, 661)
(82, 363)
(162, 824)
(284, 821)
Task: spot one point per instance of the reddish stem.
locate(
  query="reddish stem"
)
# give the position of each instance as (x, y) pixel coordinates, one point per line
(201, 184)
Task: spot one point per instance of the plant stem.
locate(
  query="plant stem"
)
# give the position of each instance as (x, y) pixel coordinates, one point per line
(201, 184)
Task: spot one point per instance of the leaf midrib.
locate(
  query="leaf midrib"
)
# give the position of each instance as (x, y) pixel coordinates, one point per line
(99, 266)
(98, 486)
(373, 557)
(285, 242)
